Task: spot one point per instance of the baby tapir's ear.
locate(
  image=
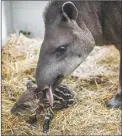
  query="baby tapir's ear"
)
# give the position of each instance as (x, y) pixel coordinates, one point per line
(69, 11)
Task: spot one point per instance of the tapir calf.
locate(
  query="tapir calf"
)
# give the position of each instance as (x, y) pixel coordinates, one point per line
(72, 29)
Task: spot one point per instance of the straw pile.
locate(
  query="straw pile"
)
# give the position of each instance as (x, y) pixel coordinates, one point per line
(88, 116)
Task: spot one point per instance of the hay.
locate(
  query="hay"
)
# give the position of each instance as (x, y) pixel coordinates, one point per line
(88, 116)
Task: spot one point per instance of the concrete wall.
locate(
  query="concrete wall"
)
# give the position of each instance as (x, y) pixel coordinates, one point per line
(27, 16)
(23, 15)
(7, 27)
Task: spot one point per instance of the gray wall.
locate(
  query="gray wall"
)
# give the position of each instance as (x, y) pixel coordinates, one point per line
(23, 15)
(27, 15)
(7, 27)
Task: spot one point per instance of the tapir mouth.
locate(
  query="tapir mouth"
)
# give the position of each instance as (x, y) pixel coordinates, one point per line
(57, 81)
(49, 91)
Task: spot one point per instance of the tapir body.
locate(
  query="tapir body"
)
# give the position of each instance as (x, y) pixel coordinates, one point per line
(72, 29)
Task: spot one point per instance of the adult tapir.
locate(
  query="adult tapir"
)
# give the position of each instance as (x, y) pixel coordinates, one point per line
(72, 29)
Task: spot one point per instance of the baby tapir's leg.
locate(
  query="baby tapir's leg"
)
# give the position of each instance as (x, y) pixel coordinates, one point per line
(116, 101)
(33, 119)
(47, 120)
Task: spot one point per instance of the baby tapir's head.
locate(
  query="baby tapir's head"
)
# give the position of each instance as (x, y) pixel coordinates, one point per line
(28, 101)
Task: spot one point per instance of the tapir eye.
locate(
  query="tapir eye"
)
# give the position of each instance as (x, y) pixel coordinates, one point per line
(61, 49)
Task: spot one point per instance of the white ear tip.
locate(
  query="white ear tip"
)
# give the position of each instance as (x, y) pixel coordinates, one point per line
(68, 3)
(72, 10)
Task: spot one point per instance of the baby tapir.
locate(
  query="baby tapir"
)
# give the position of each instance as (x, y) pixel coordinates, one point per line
(33, 102)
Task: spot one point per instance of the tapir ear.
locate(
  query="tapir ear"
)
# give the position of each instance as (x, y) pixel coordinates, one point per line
(69, 11)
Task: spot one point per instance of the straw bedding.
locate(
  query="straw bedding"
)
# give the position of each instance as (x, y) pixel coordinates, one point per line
(88, 116)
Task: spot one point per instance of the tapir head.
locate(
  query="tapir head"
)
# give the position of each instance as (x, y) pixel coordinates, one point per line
(65, 46)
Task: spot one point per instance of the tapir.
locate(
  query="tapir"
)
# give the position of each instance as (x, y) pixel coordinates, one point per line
(72, 29)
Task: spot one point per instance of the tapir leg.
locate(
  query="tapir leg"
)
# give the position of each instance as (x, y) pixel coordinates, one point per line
(116, 101)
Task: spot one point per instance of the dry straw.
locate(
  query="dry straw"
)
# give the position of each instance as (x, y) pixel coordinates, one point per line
(88, 116)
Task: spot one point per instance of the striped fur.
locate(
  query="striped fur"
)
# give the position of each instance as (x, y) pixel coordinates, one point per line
(33, 101)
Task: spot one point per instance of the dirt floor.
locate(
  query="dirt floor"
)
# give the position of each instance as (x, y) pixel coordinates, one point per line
(93, 82)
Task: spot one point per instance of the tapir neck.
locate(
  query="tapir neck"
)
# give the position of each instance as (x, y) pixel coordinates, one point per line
(98, 18)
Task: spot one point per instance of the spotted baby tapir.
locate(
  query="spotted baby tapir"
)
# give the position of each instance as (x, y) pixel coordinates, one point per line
(33, 102)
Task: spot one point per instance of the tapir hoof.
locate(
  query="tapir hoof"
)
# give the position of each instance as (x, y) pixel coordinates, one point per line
(115, 102)
(46, 126)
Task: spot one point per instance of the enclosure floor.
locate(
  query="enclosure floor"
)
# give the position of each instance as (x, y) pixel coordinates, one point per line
(93, 82)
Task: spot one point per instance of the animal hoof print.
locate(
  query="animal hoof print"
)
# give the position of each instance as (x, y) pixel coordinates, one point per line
(114, 103)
